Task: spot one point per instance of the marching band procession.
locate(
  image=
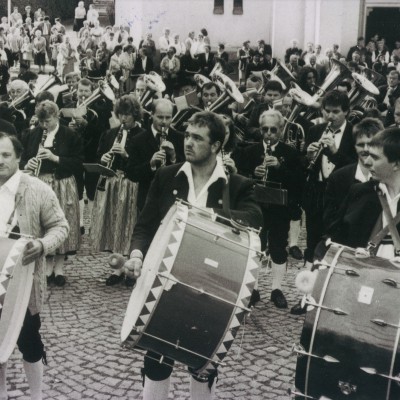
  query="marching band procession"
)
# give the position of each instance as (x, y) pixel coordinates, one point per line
(194, 169)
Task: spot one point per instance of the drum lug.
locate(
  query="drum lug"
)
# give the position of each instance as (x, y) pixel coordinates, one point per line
(292, 393)
(300, 351)
(347, 388)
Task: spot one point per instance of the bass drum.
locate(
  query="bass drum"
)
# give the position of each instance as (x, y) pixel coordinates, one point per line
(349, 347)
(193, 293)
(15, 289)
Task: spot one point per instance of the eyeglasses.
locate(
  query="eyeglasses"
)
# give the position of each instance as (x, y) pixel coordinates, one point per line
(272, 129)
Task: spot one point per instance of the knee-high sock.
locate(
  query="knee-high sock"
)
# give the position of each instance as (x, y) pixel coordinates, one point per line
(81, 210)
(34, 374)
(49, 265)
(200, 390)
(294, 233)
(59, 265)
(90, 209)
(155, 390)
(3, 382)
(308, 265)
(278, 273)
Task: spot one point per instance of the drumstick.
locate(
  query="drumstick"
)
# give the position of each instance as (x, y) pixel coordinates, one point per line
(116, 261)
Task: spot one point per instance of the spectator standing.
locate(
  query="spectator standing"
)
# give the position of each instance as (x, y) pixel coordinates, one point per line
(80, 15)
(39, 51)
(92, 15)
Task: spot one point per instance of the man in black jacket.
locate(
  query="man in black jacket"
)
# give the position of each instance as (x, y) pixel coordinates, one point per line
(201, 181)
(159, 145)
(276, 162)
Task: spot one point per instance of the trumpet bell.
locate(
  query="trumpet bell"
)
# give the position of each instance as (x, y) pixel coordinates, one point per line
(106, 91)
(113, 82)
(229, 86)
(154, 82)
(45, 82)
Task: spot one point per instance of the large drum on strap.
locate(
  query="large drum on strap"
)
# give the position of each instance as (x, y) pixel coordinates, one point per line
(15, 289)
(349, 346)
(192, 296)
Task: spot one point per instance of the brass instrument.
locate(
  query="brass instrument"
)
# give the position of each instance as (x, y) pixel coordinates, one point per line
(154, 84)
(201, 80)
(230, 92)
(46, 84)
(293, 134)
(102, 181)
(103, 90)
(36, 172)
(361, 92)
(317, 155)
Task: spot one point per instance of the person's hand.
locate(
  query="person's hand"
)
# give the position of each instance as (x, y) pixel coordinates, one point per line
(33, 250)
(241, 119)
(106, 158)
(329, 142)
(271, 161)
(133, 267)
(119, 149)
(169, 149)
(312, 149)
(230, 164)
(80, 122)
(157, 159)
(32, 164)
(46, 154)
(259, 172)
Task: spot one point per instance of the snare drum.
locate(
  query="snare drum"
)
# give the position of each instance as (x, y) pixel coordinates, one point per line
(15, 289)
(193, 293)
(349, 347)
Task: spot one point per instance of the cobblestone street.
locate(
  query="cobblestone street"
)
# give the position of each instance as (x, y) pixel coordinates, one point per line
(81, 326)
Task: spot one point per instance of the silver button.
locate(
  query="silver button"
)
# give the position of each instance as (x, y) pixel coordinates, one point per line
(175, 192)
(220, 201)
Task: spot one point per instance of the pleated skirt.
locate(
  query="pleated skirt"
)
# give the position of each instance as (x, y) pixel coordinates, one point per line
(114, 215)
(67, 194)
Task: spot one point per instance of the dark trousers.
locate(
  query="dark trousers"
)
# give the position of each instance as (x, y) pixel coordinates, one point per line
(275, 232)
(88, 181)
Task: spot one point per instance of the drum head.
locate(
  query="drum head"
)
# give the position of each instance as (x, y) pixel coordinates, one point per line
(15, 289)
(149, 273)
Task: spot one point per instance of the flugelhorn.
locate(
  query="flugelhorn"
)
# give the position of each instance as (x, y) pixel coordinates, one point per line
(36, 172)
(313, 162)
(102, 181)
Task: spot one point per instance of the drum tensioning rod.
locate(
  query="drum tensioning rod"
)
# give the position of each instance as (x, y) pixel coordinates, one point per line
(178, 347)
(202, 291)
(217, 237)
(294, 393)
(161, 361)
(237, 225)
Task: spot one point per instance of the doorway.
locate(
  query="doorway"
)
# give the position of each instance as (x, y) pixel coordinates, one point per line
(384, 21)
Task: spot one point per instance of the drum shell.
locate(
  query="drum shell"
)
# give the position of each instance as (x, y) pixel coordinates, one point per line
(200, 312)
(352, 339)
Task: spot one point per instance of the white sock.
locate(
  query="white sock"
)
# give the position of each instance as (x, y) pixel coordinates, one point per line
(34, 374)
(59, 265)
(81, 209)
(308, 265)
(90, 210)
(200, 390)
(3, 382)
(155, 390)
(294, 233)
(278, 273)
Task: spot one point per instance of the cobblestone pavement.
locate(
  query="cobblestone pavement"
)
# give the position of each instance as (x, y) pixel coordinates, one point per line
(81, 326)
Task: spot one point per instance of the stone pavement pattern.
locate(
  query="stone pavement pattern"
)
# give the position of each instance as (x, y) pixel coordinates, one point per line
(81, 326)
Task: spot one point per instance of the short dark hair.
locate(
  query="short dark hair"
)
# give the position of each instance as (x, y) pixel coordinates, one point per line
(213, 122)
(367, 127)
(42, 96)
(117, 48)
(17, 145)
(303, 75)
(128, 105)
(345, 83)
(46, 109)
(389, 141)
(210, 85)
(204, 31)
(85, 82)
(273, 85)
(394, 72)
(335, 98)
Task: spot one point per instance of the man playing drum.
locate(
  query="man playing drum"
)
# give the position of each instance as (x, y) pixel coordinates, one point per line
(200, 181)
(29, 207)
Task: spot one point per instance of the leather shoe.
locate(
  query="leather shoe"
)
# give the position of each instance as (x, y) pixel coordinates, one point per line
(255, 298)
(296, 253)
(278, 298)
(298, 309)
(50, 278)
(130, 282)
(59, 280)
(114, 279)
(82, 230)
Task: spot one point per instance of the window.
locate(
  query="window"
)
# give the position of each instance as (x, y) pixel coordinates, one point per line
(237, 7)
(218, 6)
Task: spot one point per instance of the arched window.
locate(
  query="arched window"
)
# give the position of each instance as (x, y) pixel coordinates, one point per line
(218, 6)
(237, 7)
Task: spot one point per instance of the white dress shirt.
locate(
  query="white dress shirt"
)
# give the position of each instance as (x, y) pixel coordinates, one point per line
(48, 143)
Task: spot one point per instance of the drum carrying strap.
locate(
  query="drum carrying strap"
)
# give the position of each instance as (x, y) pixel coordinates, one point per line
(378, 234)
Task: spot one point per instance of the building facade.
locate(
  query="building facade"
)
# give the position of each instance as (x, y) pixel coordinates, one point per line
(276, 21)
